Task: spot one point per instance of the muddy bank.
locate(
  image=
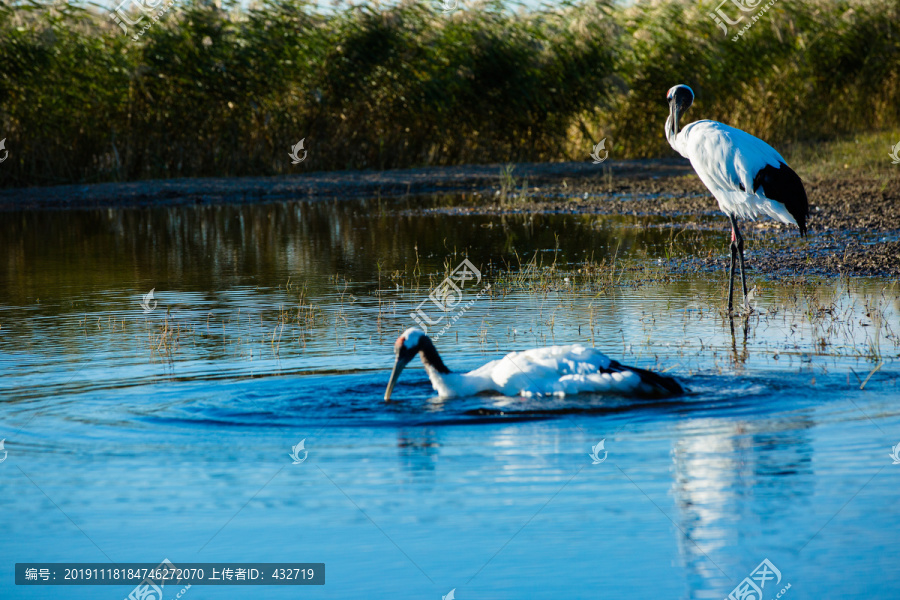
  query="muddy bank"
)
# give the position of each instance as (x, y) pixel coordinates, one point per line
(853, 202)
(319, 186)
(854, 226)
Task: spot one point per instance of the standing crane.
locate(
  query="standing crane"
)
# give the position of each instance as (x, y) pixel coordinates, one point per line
(745, 174)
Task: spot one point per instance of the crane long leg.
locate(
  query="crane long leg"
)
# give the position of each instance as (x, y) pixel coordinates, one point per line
(737, 247)
(731, 274)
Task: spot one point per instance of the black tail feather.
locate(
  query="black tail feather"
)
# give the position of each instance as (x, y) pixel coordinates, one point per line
(663, 383)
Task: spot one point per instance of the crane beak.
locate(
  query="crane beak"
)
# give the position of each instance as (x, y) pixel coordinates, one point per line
(399, 365)
(673, 110)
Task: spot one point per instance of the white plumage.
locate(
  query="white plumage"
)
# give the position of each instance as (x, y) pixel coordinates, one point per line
(745, 175)
(726, 160)
(554, 370)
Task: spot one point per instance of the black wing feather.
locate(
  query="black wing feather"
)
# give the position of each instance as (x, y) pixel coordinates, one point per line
(782, 184)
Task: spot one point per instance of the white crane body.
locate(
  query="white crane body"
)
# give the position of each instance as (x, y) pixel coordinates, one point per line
(550, 371)
(746, 176)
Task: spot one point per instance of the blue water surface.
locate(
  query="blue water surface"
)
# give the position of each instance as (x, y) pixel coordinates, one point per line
(138, 435)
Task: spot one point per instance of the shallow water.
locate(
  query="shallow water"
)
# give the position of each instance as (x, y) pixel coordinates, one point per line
(135, 435)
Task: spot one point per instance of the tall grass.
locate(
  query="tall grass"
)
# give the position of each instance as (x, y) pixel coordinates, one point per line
(210, 91)
(805, 71)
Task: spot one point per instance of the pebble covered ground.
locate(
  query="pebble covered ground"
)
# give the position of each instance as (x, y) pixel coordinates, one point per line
(854, 226)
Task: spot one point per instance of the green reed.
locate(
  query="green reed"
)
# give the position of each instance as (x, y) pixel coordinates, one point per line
(228, 91)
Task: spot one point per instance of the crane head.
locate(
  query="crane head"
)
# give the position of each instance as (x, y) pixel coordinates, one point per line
(405, 349)
(680, 98)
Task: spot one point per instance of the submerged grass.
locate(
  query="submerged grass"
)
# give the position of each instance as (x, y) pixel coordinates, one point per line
(211, 91)
(538, 300)
(799, 319)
